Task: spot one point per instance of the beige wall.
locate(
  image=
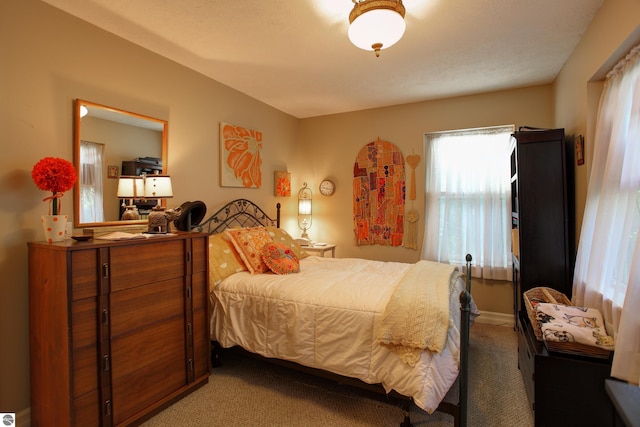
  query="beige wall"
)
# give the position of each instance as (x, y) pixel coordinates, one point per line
(330, 145)
(50, 58)
(613, 31)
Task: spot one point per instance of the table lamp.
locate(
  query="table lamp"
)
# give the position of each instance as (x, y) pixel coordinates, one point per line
(130, 187)
(304, 210)
(158, 187)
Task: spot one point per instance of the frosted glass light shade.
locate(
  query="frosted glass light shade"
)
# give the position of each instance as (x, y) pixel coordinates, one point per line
(158, 187)
(377, 29)
(130, 187)
(304, 207)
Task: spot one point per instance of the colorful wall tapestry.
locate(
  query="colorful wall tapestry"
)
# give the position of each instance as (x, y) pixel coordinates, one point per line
(378, 194)
(240, 161)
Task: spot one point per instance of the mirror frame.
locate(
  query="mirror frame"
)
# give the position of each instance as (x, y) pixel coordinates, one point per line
(76, 158)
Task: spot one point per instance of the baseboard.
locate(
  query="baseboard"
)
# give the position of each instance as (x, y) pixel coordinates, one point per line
(491, 318)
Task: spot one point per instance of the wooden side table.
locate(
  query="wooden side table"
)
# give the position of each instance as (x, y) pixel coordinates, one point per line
(321, 249)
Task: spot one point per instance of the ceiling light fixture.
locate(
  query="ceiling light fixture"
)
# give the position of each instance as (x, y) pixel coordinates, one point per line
(376, 24)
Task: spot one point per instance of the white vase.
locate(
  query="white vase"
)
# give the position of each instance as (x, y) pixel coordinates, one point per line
(54, 227)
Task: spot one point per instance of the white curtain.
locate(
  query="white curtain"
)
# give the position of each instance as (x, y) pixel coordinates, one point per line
(467, 204)
(607, 272)
(91, 178)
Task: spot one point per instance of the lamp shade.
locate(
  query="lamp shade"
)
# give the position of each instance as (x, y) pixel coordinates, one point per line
(304, 207)
(130, 187)
(376, 24)
(157, 187)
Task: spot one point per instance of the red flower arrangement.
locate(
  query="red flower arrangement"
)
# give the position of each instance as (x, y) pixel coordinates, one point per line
(56, 176)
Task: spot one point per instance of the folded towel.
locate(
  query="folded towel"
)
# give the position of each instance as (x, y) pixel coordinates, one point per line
(563, 323)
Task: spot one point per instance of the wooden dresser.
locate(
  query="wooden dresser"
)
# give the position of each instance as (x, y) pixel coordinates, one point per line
(118, 329)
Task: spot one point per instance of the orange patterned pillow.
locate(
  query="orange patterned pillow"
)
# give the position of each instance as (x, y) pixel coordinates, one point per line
(248, 242)
(280, 259)
(224, 260)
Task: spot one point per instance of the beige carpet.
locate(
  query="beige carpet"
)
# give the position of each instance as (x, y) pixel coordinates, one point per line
(247, 392)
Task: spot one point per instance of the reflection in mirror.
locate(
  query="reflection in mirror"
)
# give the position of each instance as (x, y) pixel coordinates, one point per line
(109, 143)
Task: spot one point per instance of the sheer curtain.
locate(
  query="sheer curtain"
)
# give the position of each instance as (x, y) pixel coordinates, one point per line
(467, 204)
(91, 177)
(607, 272)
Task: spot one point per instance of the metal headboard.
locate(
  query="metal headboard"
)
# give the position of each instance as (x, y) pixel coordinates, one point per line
(238, 213)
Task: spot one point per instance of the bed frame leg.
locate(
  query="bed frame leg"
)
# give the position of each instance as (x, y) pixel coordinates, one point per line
(406, 408)
(215, 354)
(465, 308)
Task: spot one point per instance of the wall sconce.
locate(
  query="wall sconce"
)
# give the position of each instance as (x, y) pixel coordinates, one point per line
(304, 210)
(158, 187)
(130, 187)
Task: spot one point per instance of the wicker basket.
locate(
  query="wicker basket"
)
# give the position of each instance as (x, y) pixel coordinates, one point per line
(578, 348)
(537, 295)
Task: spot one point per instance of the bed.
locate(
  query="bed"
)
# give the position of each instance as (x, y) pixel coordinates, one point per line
(344, 318)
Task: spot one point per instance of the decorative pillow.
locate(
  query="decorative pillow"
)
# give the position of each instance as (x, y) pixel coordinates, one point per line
(280, 258)
(280, 235)
(223, 259)
(248, 242)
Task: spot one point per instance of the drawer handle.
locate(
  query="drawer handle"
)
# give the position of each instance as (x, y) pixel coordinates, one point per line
(106, 365)
(105, 270)
(105, 317)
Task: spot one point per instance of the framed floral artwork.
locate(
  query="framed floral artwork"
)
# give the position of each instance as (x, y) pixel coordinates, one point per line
(282, 184)
(240, 156)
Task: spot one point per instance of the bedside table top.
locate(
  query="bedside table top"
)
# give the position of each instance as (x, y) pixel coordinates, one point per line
(626, 399)
(321, 249)
(319, 246)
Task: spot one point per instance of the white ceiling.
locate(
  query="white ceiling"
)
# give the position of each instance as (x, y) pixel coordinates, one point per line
(295, 54)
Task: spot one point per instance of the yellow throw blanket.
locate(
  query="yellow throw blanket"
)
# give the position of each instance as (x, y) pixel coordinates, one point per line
(417, 315)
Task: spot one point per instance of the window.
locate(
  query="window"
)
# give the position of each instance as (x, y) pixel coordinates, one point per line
(91, 177)
(468, 196)
(607, 273)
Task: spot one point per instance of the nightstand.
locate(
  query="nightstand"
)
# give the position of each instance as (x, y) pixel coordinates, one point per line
(321, 249)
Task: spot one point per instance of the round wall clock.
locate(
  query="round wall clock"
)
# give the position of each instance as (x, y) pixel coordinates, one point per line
(327, 187)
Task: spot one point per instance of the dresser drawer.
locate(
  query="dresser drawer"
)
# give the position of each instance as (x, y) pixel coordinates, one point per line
(200, 250)
(142, 307)
(141, 264)
(84, 280)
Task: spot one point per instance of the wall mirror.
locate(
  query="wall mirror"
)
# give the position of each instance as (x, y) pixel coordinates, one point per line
(109, 143)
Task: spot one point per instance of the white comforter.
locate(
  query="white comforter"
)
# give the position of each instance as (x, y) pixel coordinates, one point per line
(327, 317)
